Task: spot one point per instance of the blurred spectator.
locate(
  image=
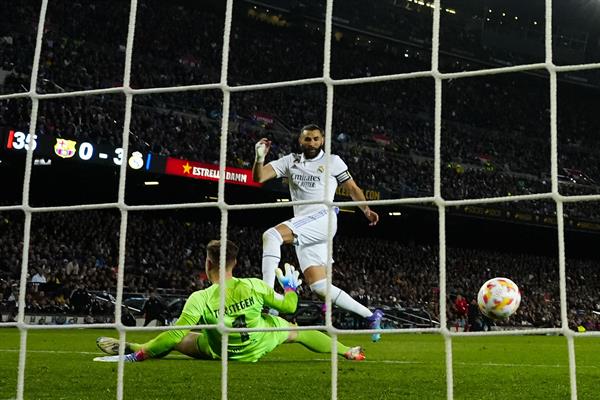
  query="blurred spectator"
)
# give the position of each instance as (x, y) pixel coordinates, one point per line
(462, 307)
(81, 300)
(154, 309)
(474, 318)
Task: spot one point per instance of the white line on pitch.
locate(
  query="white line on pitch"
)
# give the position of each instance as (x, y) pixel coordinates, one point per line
(461, 363)
(523, 365)
(182, 357)
(49, 351)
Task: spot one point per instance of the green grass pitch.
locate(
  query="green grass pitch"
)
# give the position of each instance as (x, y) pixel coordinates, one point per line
(403, 366)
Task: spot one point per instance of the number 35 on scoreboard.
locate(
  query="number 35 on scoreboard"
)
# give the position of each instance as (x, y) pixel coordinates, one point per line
(20, 141)
(65, 148)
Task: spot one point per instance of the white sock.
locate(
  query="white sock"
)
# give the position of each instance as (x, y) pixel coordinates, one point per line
(340, 298)
(272, 242)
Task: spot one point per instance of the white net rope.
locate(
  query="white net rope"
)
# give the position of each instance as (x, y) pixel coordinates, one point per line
(330, 83)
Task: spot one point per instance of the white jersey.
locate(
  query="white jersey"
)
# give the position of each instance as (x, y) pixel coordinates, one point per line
(306, 178)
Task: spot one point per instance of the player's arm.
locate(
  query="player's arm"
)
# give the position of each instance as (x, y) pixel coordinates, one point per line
(261, 172)
(290, 282)
(357, 194)
(286, 305)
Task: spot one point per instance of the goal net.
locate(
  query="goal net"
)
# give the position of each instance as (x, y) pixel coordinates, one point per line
(224, 208)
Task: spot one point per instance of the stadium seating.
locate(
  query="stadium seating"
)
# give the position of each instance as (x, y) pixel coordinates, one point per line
(495, 140)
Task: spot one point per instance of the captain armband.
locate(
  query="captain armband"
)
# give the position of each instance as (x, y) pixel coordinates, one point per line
(343, 177)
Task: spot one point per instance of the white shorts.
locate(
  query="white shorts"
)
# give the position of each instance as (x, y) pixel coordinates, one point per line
(310, 237)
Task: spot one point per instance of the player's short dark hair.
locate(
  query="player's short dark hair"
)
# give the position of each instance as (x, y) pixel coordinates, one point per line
(312, 127)
(213, 251)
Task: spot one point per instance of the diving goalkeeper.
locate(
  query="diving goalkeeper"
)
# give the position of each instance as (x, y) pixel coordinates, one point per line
(244, 301)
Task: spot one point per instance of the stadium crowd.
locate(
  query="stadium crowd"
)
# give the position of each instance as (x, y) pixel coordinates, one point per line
(166, 252)
(495, 139)
(379, 129)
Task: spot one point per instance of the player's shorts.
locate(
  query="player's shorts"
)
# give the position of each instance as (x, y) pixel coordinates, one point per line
(263, 342)
(204, 349)
(266, 342)
(310, 232)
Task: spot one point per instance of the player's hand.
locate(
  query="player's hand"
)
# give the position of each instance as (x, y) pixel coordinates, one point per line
(262, 149)
(372, 216)
(289, 281)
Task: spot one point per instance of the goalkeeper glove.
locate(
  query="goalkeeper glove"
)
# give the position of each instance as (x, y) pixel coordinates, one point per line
(289, 281)
(261, 151)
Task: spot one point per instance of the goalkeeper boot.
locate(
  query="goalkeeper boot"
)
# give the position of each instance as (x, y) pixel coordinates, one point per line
(355, 353)
(111, 345)
(375, 323)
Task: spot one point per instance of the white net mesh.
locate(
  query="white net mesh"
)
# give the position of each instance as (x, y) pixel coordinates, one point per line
(330, 83)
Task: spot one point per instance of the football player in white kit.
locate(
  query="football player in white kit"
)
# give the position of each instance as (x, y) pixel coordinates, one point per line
(307, 231)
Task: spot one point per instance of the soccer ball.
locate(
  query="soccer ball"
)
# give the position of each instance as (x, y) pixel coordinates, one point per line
(499, 298)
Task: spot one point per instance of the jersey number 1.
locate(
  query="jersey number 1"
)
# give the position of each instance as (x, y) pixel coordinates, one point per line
(240, 322)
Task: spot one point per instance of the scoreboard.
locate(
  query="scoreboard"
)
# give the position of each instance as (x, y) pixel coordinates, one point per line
(49, 147)
(83, 152)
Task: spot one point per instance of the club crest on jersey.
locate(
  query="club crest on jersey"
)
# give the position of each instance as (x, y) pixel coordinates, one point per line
(321, 169)
(65, 148)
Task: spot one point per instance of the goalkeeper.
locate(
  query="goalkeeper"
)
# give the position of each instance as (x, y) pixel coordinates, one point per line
(244, 301)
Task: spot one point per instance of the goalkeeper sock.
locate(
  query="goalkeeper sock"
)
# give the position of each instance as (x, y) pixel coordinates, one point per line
(272, 242)
(340, 298)
(319, 342)
(138, 348)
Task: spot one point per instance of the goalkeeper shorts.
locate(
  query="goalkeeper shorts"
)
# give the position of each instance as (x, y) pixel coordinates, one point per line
(261, 344)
